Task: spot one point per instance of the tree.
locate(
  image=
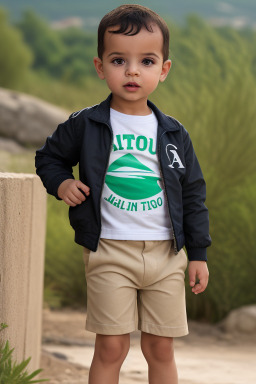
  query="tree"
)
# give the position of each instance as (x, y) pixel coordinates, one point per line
(45, 43)
(16, 57)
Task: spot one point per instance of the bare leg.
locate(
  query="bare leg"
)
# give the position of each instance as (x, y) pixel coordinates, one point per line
(159, 353)
(109, 354)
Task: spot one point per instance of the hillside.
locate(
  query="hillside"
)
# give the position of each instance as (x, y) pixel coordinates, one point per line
(233, 12)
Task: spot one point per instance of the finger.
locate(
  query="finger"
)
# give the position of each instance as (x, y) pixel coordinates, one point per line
(200, 287)
(203, 279)
(79, 195)
(192, 278)
(204, 283)
(83, 187)
(197, 288)
(74, 199)
(69, 202)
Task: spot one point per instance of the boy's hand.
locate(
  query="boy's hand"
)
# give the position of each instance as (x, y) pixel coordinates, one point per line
(198, 270)
(69, 192)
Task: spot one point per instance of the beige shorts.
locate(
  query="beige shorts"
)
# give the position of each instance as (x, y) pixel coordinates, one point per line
(136, 285)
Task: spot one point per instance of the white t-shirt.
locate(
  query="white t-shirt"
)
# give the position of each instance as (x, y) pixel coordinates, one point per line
(133, 204)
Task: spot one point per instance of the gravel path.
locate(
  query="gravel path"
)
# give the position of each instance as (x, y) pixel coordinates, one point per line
(206, 355)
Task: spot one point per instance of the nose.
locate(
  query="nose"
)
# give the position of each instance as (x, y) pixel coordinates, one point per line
(132, 70)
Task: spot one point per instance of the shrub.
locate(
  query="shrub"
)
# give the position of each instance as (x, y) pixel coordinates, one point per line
(12, 372)
(64, 271)
(15, 58)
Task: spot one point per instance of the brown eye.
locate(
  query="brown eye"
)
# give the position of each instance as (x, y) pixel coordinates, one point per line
(148, 62)
(118, 61)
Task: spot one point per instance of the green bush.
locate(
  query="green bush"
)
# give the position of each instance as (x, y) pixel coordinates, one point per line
(225, 140)
(64, 270)
(10, 371)
(15, 58)
(65, 54)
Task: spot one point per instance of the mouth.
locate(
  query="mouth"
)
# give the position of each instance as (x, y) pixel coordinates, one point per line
(131, 85)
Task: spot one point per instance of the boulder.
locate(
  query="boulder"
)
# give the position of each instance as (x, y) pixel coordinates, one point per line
(242, 320)
(10, 146)
(26, 119)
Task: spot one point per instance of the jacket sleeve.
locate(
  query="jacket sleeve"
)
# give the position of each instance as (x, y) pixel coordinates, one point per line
(55, 160)
(195, 213)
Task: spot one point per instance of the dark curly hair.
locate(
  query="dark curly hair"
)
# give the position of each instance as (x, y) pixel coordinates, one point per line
(130, 18)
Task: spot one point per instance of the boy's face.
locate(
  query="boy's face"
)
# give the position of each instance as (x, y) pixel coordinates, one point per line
(132, 67)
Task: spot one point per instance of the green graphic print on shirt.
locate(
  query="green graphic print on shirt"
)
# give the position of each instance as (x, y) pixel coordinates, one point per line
(129, 180)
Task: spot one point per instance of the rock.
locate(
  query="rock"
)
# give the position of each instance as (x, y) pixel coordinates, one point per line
(26, 119)
(241, 320)
(10, 146)
(60, 355)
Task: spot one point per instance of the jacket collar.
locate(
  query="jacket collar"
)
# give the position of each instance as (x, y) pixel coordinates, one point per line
(101, 114)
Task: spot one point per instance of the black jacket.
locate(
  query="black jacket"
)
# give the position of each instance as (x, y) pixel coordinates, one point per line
(86, 138)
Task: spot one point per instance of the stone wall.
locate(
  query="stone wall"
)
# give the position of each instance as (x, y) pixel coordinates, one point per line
(22, 243)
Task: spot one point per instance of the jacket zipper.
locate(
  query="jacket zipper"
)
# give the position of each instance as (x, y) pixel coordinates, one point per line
(165, 192)
(102, 186)
(161, 173)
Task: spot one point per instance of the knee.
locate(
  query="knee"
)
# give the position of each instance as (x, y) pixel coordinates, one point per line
(157, 349)
(112, 349)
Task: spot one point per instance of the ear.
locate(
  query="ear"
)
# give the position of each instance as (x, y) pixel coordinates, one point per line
(165, 70)
(99, 67)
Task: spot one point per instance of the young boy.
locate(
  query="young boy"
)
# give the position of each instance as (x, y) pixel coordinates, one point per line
(139, 199)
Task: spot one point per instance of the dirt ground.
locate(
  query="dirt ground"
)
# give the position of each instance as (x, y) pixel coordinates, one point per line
(205, 356)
